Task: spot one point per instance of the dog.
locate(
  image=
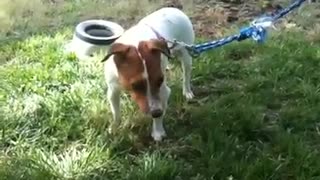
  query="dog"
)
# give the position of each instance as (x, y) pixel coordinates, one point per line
(137, 61)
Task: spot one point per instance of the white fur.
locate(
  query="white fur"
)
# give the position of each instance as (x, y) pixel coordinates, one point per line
(172, 24)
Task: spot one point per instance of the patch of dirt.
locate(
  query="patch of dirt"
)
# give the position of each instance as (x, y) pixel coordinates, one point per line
(212, 17)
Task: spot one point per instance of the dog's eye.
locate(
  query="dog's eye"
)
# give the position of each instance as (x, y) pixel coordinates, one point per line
(139, 86)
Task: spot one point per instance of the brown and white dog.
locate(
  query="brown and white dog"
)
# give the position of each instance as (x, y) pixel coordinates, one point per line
(137, 61)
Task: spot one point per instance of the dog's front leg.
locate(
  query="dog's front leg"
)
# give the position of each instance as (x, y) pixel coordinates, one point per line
(158, 131)
(114, 101)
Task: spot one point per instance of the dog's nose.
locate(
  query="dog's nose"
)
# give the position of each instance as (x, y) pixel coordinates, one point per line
(156, 113)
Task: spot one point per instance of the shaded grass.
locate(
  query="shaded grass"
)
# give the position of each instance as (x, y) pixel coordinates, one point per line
(255, 116)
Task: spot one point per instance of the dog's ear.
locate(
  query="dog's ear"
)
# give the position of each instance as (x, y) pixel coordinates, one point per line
(116, 48)
(159, 45)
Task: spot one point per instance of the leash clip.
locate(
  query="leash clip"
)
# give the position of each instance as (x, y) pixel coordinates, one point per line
(190, 48)
(264, 22)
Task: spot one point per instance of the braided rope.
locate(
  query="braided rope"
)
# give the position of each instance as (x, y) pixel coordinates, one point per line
(257, 31)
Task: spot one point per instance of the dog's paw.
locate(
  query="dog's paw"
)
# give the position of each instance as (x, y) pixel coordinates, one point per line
(158, 135)
(188, 94)
(113, 128)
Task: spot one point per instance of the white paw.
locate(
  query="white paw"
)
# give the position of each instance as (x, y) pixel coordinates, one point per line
(158, 135)
(113, 128)
(188, 94)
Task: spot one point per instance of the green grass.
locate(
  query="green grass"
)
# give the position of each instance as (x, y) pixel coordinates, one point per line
(255, 116)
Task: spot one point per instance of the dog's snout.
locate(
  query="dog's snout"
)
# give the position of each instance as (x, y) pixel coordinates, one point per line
(156, 113)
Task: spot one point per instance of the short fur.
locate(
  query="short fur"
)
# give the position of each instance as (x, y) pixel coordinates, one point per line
(137, 62)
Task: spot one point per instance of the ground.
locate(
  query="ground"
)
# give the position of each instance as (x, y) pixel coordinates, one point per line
(255, 115)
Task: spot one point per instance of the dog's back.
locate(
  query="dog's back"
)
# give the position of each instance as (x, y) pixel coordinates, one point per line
(172, 23)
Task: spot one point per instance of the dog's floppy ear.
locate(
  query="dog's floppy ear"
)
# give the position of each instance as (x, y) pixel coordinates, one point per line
(116, 48)
(160, 45)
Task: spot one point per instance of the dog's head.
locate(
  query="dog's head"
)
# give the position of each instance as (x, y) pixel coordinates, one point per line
(140, 72)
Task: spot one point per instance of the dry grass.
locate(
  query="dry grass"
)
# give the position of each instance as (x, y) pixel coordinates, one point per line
(210, 21)
(19, 12)
(314, 34)
(21, 16)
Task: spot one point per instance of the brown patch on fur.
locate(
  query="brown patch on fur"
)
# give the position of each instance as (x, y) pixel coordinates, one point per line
(130, 69)
(151, 52)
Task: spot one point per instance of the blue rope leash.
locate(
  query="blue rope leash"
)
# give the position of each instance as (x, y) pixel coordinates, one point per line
(257, 31)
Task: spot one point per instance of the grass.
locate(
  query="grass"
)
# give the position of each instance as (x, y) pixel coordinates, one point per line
(256, 115)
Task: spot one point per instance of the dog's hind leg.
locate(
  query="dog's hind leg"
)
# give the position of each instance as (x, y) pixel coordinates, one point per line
(186, 62)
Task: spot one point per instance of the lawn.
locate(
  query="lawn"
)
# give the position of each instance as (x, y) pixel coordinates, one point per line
(255, 115)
